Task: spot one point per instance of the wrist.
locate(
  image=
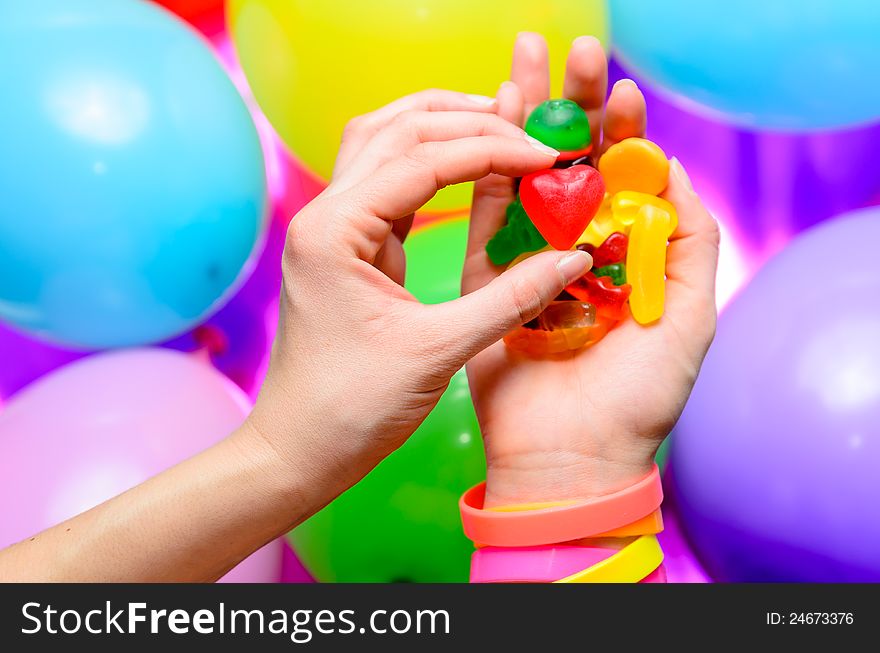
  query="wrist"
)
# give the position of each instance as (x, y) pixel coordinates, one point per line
(312, 456)
(549, 476)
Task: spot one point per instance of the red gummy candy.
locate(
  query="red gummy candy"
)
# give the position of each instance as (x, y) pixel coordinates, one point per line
(562, 201)
(609, 300)
(613, 250)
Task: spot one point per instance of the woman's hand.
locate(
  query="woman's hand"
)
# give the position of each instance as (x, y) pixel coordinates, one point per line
(358, 363)
(590, 422)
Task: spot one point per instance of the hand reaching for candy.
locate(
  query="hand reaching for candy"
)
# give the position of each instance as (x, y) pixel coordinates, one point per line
(588, 422)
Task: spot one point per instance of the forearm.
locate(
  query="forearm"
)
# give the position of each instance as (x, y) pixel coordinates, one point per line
(193, 522)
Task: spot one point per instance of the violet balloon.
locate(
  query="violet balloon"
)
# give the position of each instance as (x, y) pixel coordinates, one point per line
(682, 565)
(775, 459)
(99, 426)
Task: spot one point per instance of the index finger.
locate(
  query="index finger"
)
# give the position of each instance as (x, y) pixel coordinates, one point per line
(403, 185)
(362, 128)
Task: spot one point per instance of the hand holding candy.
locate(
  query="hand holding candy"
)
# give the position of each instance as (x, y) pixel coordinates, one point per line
(560, 204)
(577, 424)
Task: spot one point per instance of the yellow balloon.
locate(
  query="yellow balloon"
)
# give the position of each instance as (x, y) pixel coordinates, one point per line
(313, 65)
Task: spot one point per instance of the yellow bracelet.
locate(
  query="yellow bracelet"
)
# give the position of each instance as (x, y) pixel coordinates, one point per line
(631, 564)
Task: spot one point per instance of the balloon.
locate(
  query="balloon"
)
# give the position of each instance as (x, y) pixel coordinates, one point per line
(787, 64)
(132, 177)
(435, 258)
(679, 560)
(197, 12)
(775, 459)
(100, 426)
(401, 522)
(265, 565)
(315, 65)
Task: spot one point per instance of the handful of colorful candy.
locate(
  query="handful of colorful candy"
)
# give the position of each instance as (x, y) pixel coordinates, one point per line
(612, 212)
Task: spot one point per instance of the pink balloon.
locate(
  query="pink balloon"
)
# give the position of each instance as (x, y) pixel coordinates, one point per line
(101, 425)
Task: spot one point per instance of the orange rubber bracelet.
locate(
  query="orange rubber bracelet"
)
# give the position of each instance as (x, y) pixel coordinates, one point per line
(648, 525)
(562, 523)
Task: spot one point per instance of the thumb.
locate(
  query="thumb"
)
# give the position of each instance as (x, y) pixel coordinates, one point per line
(484, 316)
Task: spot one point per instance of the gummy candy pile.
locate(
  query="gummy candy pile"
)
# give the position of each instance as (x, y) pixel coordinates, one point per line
(613, 212)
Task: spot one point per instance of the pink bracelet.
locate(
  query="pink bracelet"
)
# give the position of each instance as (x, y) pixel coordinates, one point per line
(539, 564)
(656, 576)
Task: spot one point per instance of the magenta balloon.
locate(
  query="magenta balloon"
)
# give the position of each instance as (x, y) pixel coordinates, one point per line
(682, 565)
(264, 565)
(775, 460)
(96, 427)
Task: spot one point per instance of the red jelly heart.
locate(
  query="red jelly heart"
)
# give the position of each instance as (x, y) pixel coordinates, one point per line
(562, 201)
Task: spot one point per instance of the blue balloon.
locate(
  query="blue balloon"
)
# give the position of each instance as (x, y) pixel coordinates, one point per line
(778, 64)
(132, 183)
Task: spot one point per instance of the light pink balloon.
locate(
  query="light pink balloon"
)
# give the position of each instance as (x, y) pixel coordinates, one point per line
(101, 425)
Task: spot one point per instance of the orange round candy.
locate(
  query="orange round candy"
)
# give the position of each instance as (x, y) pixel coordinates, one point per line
(634, 164)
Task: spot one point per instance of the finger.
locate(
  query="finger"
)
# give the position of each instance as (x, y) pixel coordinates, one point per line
(475, 321)
(531, 69)
(586, 80)
(403, 185)
(401, 228)
(359, 130)
(409, 128)
(391, 260)
(492, 193)
(625, 114)
(692, 256)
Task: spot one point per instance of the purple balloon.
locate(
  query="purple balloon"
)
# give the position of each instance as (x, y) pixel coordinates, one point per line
(681, 564)
(776, 457)
(99, 426)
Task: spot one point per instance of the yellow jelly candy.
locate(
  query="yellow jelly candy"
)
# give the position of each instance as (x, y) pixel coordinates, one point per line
(625, 206)
(646, 263)
(634, 164)
(602, 225)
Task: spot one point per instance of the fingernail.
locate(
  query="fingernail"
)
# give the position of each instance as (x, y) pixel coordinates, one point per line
(482, 100)
(680, 173)
(586, 39)
(543, 149)
(572, 266)
(625, 82)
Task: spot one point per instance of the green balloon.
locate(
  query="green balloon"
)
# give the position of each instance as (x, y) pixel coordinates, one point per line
(434, 259)
(401, 522)
(662, 455)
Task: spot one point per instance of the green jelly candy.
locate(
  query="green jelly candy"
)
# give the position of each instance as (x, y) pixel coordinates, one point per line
(527, 233)
(502, 248)
(561, 124)
(518, 236)
(617, 272)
